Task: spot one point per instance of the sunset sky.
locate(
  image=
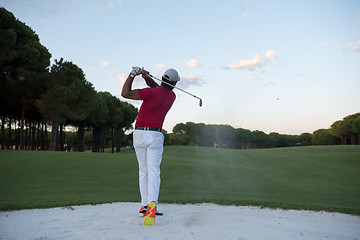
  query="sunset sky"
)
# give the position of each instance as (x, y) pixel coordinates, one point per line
(276, 66)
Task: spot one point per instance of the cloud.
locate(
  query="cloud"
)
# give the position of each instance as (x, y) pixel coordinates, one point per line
(191, 80)
(159, 68)
(105, 4)
(323, 44)
(256, 61)
(270, 54)
(121, 78)
(91, 68)
(105, 63)
(114, 3)
(269, 83)
(43, 10)
(192, 63)
(355, 46)
(256, 77)
(245, 14)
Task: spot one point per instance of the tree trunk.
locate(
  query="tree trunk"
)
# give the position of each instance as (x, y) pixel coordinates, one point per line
(2, 132)
(38, 136)
(28, 142)
(103, 139)
(81, 137)
(45, 140)
(17, 134)
(352, 138)
(33, 133)
(343, 142)
(101, 136)
(112, 140)
(96, 139)
(27, 133)
(42, 142)
(118, 141)
(9, 134)
(61, 138)
(54, 137)
(22, 128)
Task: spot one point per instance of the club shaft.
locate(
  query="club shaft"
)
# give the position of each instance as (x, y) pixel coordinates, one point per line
(174, 87)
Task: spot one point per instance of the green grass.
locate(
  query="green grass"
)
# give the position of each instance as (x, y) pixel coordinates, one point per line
(314, 178)
(30, 179)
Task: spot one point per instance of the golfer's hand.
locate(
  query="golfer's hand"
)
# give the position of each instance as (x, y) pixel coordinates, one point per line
(136, 71)
(145, 73)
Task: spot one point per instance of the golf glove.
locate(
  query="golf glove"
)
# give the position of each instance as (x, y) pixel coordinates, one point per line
(136, 71)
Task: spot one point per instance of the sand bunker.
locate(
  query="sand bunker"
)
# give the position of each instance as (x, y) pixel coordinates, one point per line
(191, 221)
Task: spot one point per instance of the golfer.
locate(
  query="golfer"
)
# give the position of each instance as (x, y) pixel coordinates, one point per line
(148, 138)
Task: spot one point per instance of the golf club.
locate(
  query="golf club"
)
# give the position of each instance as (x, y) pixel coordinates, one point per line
(200, 102)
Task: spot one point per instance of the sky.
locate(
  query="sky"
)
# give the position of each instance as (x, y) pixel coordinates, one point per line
(276, 66)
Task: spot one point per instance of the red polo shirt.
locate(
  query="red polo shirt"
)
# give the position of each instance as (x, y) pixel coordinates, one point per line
(156, 103)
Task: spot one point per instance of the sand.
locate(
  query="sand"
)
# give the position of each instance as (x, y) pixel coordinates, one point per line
(191, 221)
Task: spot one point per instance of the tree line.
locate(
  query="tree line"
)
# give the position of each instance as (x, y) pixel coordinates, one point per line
(39, 101)
(346, 131)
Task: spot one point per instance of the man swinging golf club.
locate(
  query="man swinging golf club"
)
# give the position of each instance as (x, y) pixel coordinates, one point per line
(147, 138)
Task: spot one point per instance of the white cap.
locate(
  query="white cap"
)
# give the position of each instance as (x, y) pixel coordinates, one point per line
(171, 75)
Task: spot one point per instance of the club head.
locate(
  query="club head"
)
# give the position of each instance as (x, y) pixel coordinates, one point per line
(200, 102)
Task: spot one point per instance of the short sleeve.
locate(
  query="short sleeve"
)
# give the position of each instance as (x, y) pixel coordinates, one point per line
(144, 93)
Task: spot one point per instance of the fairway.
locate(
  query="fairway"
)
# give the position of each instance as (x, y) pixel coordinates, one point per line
(315, 178)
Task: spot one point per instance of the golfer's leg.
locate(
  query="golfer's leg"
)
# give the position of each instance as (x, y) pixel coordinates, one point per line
(154, 157)
(140, 150)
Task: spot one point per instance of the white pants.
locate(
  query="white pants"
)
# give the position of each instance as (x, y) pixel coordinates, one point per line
(149, 148)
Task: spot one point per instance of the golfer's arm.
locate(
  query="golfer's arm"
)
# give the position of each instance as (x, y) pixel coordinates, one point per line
(127, 92)
(150, 82)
